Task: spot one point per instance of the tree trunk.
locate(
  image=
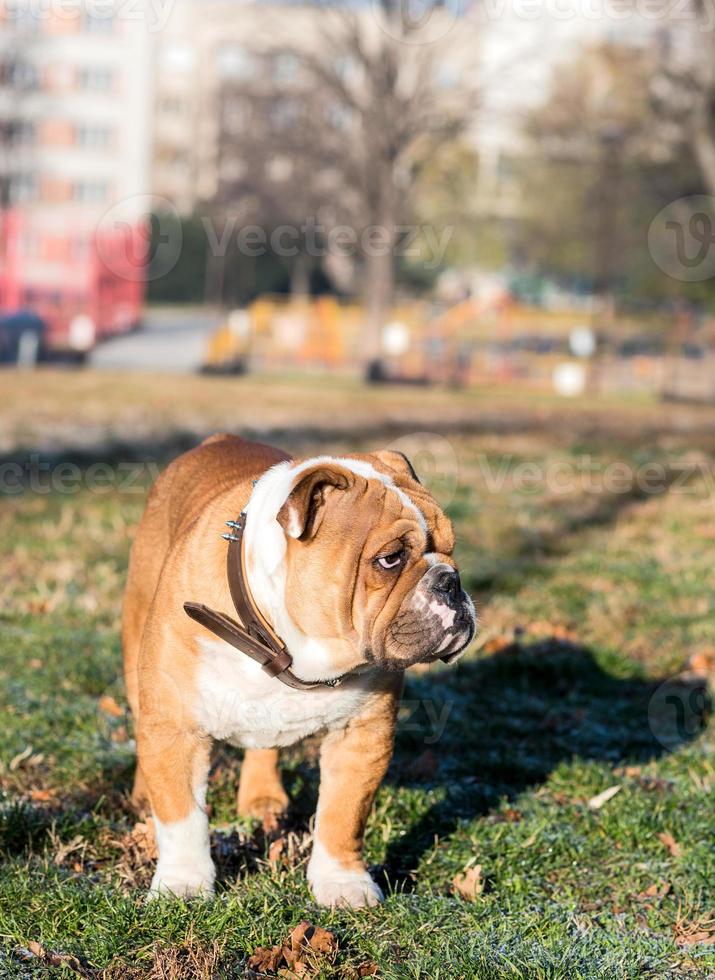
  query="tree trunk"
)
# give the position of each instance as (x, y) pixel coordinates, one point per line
(300, 277)
(379, 288)
(379, 284)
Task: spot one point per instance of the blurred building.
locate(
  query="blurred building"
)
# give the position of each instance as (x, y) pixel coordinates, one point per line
(75, 152)
(202, 45)
(75, 117)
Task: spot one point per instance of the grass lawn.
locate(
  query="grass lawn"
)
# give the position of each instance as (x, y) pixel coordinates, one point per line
(586, 536)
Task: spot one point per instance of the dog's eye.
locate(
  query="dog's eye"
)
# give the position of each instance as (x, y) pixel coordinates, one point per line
(391, 561)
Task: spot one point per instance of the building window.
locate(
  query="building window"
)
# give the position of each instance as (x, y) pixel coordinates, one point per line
(90, 191)
(285, 67)
(177, 56)
(96, 79)
(283, 113)
(235, 118)
(23, 76)
(22, 188)
(22, 132)
(93, 137)
(233, 62)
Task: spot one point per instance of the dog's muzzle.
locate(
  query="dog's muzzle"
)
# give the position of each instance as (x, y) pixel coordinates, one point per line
(437, 620)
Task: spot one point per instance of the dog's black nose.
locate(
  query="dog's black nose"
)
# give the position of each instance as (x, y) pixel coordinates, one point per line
(449, 584)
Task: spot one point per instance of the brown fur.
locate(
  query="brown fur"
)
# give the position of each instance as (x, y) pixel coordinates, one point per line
(179, 555)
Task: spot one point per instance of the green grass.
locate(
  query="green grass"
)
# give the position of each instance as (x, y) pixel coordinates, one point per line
(590, 599)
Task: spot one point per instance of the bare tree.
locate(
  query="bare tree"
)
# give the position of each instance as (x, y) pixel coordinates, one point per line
(684, 86)
(370, 99)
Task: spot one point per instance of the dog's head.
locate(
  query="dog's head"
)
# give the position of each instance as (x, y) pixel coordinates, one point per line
(355, 565)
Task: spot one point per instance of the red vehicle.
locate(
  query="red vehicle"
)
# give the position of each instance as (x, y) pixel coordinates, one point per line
(67, 282)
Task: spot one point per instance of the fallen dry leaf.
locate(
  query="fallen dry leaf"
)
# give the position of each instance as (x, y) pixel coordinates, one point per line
(42, 795)
(304, 953)
(266, 960)
(109, 706)
(35, 950)
(367, 969)
(697, 937)
(143, 837)
(667, 840)
(596, 802)
(469, 883)
(513, 816)
(655, 891)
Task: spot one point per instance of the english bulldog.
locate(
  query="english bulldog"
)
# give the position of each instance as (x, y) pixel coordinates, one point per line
(347, 561)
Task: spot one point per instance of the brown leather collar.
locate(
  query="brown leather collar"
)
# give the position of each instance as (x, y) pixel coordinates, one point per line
(256, 638)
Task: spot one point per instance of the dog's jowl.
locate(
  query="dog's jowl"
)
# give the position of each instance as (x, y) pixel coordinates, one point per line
(270, 599)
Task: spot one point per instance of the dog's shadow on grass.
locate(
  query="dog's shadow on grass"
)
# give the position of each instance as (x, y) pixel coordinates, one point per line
(475, 734)
(491, 728)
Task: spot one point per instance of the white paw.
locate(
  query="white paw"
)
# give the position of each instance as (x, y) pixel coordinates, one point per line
(354, 889)
(183, 882)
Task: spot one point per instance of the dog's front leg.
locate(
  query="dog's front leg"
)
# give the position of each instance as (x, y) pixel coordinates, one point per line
(352, 764)
(176, 771)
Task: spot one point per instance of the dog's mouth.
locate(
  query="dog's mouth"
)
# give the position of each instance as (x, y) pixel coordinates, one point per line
(420, 640)
(461, 641)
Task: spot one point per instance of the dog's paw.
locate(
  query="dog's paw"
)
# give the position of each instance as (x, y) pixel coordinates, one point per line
(266, 808)
(353, 889)
(333, 884)
(182, 882)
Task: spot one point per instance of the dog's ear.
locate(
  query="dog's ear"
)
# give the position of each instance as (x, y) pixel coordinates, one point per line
(396, 462)
(396, 465)
(302, 512)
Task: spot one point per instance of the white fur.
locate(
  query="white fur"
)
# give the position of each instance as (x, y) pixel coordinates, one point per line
(443, 612)
(239, 703)
(332, 884)
(184, 867)
(265, 557)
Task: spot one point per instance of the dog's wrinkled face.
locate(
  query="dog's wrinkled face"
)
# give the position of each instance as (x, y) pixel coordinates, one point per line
(368, 567)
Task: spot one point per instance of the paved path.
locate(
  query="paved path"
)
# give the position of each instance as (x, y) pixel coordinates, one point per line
(172, 340)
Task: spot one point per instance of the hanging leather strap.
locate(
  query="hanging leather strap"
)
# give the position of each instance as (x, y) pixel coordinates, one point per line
(255, 637)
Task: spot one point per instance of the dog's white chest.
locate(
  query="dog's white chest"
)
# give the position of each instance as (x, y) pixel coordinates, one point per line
(237, 702)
